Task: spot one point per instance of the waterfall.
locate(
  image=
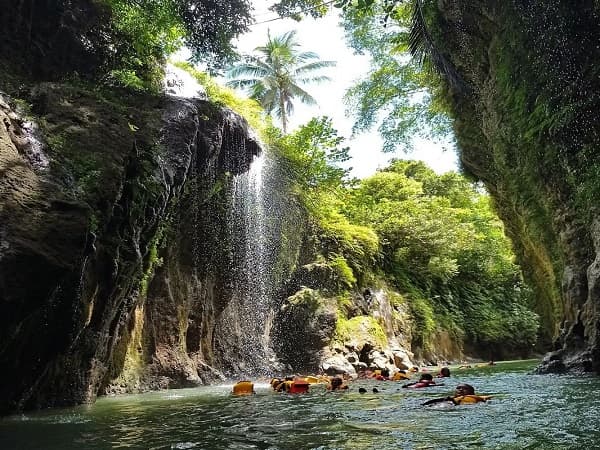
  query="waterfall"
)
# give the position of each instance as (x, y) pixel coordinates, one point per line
(231, 252)
(250, 313)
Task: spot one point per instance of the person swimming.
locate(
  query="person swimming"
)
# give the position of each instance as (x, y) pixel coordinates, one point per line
(382, 374)
(426, 380)
(464, 394)
(337, 384)
(244, 387)
(444, 373)
(400, 375)
(291, 385)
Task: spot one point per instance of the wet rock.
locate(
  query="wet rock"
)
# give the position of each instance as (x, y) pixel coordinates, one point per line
(337, 365)
(554, 231)
(352, 358)
(86, 229)
(305, 325)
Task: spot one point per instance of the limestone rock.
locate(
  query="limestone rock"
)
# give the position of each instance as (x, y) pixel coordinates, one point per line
(337, 365)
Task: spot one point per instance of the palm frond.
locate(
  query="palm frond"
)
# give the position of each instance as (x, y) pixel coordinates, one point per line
(272, 75)
(248, 72)
(306, 56)
(266, 97)
(316, 79)
(251, 68)
(305, 97)
(311, 67)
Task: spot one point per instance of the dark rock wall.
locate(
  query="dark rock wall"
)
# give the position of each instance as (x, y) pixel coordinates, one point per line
(83, 225)
(525, 120)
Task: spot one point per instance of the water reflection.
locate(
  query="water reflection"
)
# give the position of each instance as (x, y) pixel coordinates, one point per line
(527, 412)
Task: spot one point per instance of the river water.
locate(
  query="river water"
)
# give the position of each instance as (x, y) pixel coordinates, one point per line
(527, 412)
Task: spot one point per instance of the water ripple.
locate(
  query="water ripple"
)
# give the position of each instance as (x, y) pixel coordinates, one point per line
(526, 412)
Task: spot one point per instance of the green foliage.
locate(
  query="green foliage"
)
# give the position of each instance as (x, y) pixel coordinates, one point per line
(358, 244)
(153, 261)
(296, 9)
(445, 248)
(121, 42)
(152, 29)
(307, 298)
(434, 237)
(247, 108)
(364, 328)
(311, 157)
(343, 270)
(424, 323)
(58, 38)
(398, 94)
(276, 74)
(537, 159)
(148, 31)
(344, 301)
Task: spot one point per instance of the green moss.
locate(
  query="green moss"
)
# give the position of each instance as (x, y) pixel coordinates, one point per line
(396, 300)
(424, 323)
(95, 136)
(307, 298)
(131, 355)
(361, 327)
(344, 301)
(152, 262)
(224, 96)
(344, 273)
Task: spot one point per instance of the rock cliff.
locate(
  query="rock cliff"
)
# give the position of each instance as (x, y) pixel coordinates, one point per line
(525, 110)
(91, 298)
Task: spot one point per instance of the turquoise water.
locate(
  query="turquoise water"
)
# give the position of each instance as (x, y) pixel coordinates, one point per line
(527, 412)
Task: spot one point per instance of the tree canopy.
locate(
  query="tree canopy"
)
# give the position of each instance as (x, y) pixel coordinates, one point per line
(126, 38)
(276, 74)
(433, 238)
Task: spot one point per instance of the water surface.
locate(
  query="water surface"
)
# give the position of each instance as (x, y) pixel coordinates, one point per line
(527, 412)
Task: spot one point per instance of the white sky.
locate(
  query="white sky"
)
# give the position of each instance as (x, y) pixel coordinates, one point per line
(326, 38)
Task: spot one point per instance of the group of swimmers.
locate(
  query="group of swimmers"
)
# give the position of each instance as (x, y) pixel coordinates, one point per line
(463, 394)
(293, 385)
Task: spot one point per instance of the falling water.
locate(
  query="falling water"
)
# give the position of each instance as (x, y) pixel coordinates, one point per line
(241, 335)
(250, 312)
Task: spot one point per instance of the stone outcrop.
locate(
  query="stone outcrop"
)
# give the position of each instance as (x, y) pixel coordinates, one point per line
(88, 290)
(314, 334)
(525, 119)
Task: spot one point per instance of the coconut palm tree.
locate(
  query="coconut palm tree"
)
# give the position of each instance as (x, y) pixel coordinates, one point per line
(275, 74)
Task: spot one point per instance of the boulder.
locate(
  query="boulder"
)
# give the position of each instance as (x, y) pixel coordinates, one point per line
(338, 365)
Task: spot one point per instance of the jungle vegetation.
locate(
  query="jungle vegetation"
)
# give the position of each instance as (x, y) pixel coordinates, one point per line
(432, 238)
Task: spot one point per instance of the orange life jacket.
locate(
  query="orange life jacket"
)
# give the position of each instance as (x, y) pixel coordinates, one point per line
(298, 387)
(469, 399)
(243, 388)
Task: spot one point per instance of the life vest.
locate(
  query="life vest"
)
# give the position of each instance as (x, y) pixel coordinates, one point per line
(400, 376)
(310, 379)
(297, 387)
(469, 399)
(243, 388)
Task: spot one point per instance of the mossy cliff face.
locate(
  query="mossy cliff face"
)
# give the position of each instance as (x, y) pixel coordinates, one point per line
(526, 123)
(84, 217)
